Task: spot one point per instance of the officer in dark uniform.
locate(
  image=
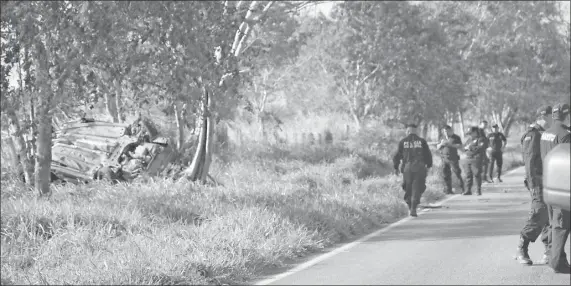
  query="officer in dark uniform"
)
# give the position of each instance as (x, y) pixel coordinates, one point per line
(473, 163)
(538, 221)
(417, 158)
(497, 142)
(450, 160)
(485, 159)
(559, 218)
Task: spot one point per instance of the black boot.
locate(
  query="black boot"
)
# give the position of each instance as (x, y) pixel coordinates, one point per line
(479, 192)
(500, 180)
(522, 256)
(467, 193)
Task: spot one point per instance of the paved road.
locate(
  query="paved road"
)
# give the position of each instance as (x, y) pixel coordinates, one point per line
(470, 240)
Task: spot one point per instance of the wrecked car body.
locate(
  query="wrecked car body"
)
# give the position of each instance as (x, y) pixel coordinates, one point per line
(84, 151)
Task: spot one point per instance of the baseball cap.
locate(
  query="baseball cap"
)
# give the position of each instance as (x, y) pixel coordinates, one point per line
(494, 126)
(446, 127)
(560, 109)
(544, 110)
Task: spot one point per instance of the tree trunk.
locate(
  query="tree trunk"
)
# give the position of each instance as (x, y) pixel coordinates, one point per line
(111, 106)
(425, 130)
(357, 120)
(44, 146)
(118, 93)
(209, 144)
(461, 122)
(179, 126)
(16, 133)
(194, 171)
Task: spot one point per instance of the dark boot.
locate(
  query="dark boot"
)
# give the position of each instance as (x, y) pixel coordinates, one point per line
(522, 256)
(500, 180)
(479, 192)
(467, 193)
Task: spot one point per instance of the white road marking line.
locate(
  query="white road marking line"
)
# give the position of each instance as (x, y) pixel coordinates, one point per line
(350, 245)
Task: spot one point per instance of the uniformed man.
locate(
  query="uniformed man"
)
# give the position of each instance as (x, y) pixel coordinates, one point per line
(473, 163)
(485, 159)
(497, 141)
(414, 153)
(448, 147)
(559, 218)
(538, 220)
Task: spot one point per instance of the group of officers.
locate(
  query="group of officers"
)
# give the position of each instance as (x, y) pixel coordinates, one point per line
(482, 152)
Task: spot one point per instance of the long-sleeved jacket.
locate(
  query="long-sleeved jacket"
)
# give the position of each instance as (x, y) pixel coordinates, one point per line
(476, 147)
(530, 142)
(412, 149)
(556, 134)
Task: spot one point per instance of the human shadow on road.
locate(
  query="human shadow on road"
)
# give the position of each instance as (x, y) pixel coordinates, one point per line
(456, 225)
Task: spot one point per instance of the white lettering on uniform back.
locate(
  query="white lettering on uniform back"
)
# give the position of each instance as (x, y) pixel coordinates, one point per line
(547, 137)
(414, 144)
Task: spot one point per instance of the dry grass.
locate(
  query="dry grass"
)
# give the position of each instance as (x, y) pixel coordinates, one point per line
(275, 204)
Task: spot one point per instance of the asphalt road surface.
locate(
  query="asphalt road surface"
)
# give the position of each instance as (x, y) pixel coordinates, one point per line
(469, 240)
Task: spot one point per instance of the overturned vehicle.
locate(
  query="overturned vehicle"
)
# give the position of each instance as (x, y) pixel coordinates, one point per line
(84, 151)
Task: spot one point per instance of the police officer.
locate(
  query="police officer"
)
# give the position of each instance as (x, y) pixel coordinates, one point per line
(538, 221)
(417, 158)
(559, 218)
(473, 163)
(497, 141)
(485, 159)
(450, 160)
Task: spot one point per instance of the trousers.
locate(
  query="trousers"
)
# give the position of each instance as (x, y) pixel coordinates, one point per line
(559, 233)
(414, 183)
(473, 170)
(448, 166)
(497, 158)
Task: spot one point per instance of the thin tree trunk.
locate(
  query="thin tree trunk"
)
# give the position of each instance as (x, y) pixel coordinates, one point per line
(425, 129)
(461, 122)
(357, 120)
(118, 94)
(16, 133)
(44, 145)
(111, 106)
(210, 137)
(179, 126)
(193, 171)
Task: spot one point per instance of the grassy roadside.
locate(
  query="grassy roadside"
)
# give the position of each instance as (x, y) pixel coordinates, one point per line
(275, 205)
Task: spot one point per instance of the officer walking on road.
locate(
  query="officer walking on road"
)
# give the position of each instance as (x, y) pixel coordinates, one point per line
(485, 159)
(538, 221)
(450, 159)
(417, 158)
(473, 163)
(497, 142)
(559, 218)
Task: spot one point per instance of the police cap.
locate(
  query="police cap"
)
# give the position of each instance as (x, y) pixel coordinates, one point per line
(447, 127)
(560, 110)
(411, 125)
(495, 126)
(544, 110)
